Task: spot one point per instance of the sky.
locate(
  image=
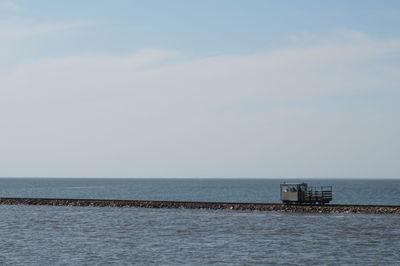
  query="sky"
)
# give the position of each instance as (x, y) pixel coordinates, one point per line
(209, 89)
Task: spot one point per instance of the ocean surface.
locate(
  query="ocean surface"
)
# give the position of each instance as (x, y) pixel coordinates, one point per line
(60, 235)
(352, 191)
(47, 235)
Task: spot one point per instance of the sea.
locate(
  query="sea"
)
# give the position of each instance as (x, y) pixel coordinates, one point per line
(61, 235)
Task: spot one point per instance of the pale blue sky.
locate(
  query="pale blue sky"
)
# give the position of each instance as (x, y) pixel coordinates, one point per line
(199, 27)
(200, 88)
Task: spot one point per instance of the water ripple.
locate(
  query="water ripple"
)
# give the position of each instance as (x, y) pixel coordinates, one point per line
(38, 235)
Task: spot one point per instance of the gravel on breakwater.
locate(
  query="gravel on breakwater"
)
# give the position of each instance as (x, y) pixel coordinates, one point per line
(331, 208)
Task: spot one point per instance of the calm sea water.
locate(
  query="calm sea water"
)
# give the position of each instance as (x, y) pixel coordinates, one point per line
(355, 191)
(47, 235)
(50, 235)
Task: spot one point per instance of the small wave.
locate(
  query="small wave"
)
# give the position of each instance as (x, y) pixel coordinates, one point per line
(85, 187)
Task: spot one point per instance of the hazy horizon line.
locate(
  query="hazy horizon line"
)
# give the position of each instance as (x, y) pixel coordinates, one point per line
(119, 177)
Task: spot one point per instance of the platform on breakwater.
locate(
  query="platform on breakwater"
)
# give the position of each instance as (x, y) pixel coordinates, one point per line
(331, 208)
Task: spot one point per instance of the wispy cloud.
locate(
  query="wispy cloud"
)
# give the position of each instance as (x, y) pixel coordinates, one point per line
(157, 113)
(336, 36)
(14, 30)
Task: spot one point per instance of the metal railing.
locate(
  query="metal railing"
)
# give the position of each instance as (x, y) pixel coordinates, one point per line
(318, 194)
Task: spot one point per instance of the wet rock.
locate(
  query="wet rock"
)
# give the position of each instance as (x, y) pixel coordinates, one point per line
(378, 209)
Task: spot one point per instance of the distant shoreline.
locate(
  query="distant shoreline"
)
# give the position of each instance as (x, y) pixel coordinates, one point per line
(331, 208)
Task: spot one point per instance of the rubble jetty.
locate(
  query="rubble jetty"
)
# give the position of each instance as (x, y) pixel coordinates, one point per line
(331, 208)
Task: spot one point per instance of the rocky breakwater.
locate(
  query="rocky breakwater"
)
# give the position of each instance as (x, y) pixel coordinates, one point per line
(377, 209)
